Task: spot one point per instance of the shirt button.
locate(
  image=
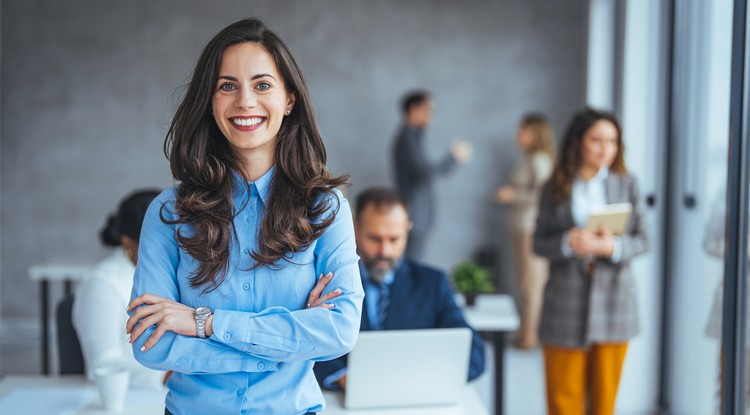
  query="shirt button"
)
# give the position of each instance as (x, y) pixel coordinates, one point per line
(245, 286)
(240, 392)
(261, 365)
(227, 336)
(249, 218)
(247, 251)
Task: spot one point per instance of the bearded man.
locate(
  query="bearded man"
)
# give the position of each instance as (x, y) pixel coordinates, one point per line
(399, 292)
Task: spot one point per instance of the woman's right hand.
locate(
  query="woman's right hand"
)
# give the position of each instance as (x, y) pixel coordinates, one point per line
(315, 300)
(584, 242)
(505, 195)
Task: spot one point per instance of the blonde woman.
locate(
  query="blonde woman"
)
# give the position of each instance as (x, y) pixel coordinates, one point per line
(535, 139)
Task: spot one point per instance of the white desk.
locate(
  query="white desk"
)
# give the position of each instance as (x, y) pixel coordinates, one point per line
(151, 402)
(470, 404)
(138, 401)
(44, 274)
(494, 314)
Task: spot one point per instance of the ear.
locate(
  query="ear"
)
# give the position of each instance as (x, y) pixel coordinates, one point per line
(290, 100)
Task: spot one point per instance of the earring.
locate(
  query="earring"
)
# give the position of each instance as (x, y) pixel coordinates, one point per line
(288, 111)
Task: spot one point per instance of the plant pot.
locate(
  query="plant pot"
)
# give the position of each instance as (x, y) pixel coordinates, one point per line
(470, 299)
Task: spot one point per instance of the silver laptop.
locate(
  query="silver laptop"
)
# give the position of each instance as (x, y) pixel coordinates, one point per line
(399, 368)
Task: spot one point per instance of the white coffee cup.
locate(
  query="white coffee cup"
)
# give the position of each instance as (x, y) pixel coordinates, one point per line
(113, 388)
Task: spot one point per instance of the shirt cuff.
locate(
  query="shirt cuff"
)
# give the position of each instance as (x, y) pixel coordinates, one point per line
(617, 252)
(332, 381)
(565, 247)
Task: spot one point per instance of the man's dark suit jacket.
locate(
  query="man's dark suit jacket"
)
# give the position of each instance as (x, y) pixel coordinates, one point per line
(415, 175)
(420, 298)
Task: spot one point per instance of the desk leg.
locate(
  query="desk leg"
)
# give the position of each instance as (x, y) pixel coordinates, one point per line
(499, 340)
(45, 326)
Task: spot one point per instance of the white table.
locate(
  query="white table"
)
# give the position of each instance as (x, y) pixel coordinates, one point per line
(44, 274)
(151, 401)
(470, 404)
(138, 401)
(496, 315)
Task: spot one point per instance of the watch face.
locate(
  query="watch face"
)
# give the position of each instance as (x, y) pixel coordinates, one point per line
(202, 311)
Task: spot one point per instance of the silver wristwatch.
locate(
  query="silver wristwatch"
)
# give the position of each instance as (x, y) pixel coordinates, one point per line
(201, 314)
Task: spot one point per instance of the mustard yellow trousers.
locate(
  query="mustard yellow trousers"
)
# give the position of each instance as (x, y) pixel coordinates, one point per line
(583, 381)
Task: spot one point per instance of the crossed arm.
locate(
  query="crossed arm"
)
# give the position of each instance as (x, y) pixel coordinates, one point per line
(163, 330)
(150, 310)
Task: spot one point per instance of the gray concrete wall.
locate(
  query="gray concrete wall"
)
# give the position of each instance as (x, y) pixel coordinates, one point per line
(88, 89)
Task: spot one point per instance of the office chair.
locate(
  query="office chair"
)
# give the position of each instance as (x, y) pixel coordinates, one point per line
(68, 346)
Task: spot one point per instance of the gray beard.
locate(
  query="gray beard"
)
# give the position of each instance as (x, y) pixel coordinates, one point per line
(378, 274)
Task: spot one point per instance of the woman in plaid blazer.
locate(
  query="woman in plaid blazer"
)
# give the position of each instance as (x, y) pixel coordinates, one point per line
(589, 310)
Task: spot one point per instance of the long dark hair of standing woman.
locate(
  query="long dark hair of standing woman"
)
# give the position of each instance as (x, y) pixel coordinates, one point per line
(570, 159)
(201, 159)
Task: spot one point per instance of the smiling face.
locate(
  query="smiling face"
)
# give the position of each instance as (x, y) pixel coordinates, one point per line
(599, 146)
(250, 102)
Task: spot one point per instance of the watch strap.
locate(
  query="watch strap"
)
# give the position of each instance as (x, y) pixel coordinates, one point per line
(200, 324)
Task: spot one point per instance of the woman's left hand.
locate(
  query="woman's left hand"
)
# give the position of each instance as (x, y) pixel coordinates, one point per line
(581, 241)
(166, 315)
(605, 245)
(584, 242)
(315, 299)
(505, 195)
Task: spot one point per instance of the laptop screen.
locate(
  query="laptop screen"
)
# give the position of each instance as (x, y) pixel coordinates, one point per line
(398, 368)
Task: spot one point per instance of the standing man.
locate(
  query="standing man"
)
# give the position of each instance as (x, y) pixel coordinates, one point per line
(399, 293)
(414, 172)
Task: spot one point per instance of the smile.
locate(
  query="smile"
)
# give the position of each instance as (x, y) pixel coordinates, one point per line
(247, 122)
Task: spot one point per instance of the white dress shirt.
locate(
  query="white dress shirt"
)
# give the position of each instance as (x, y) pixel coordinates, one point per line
(586, 195)
(99, 318)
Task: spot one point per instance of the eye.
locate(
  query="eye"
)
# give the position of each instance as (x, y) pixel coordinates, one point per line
(227, 87)
(263, 86)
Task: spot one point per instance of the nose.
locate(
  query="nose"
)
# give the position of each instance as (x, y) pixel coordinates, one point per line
(385, 249)
(246, 99)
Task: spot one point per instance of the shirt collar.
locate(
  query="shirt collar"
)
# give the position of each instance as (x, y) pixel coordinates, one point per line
(600, 176)
(263, 184)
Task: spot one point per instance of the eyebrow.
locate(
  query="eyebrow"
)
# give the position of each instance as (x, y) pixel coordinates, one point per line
(234, 79)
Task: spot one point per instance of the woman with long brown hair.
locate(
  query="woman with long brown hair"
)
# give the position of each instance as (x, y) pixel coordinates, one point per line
(240, 261)
(589, 312)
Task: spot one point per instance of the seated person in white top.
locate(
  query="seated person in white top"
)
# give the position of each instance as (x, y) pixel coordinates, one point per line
(102, 297)
(400, 293)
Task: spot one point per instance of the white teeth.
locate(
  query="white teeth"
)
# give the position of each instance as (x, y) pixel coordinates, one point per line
(247, 122)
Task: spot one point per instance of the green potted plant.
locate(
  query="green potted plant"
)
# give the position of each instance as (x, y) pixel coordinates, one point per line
(472, 279)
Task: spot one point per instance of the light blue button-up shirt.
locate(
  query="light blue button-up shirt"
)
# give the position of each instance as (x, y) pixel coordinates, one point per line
(259, 358)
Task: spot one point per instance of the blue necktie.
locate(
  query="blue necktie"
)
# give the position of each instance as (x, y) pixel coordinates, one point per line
(383, 302)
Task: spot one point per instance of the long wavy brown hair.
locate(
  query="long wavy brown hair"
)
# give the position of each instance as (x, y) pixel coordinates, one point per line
(570, 157)
(202, 161)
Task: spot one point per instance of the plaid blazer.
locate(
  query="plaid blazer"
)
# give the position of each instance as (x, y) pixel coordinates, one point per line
(581, 307)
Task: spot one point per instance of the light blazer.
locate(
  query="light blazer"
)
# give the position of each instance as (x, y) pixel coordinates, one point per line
(420, 298)
(580, 308)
